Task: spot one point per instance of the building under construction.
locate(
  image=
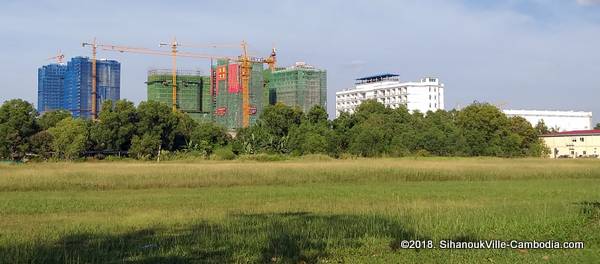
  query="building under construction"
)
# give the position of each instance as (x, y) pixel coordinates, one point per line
(227, 84)
(51, 87)
(194, 95)
(77, 97)
(300, 86)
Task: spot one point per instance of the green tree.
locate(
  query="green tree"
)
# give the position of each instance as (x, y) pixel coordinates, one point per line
(17, 124)
(278, 119)
(314, 135)
(541, 128)
(157, 119)
(50, 119)
(371, 137)
(115, 127)
(271, 133)
(317, 115)
(70, 138)
(485, 130)
(206, 137)
(597, 126)
(341, 135)
(145, 146)
(525, 134)
(41, 144)
(185, 127)
(312, 138)
(440, 135)
(369, 108)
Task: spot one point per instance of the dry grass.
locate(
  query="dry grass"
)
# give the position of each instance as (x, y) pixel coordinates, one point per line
(352, 211)
(124, 175)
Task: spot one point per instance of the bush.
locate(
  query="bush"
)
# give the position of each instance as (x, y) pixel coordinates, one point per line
(144, 147)
(422, 153)
(264, 157)
(223, 153)
(315, 157)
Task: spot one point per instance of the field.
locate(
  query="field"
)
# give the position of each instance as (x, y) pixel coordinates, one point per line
(311, 210)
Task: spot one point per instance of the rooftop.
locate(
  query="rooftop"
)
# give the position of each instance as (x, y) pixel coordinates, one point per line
(547, 112)
(573, 133)
(377, 78)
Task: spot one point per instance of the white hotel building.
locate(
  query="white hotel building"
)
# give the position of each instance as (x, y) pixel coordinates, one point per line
(424, 95)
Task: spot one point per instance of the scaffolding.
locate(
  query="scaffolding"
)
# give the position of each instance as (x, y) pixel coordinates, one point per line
(193, 91)
(299, 86)
(227, 85)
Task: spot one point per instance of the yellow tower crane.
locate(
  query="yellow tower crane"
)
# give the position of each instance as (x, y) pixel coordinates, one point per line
(94, 46)
(173, 44)
(174, 53)
(59, 57)
(244, 60)
(246, 68)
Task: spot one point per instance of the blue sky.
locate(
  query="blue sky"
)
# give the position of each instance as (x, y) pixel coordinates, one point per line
(527, 54)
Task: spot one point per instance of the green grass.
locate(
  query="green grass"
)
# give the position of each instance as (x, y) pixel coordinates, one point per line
(301, 210)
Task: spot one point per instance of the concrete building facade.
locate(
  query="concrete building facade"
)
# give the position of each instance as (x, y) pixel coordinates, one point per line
(557, 120)
(573, 144)
(423, 96)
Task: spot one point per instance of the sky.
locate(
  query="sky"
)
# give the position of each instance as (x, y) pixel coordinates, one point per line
(519, 54)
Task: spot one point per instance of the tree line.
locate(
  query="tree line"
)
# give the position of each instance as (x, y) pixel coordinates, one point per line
(152, 128)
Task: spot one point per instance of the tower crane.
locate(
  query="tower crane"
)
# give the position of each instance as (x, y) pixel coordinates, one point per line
(94, 46)
(174, 53)
(244, 60)
(58, 57)
(246, 68)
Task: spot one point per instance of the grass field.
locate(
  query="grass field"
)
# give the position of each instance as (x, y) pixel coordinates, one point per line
(297, 211)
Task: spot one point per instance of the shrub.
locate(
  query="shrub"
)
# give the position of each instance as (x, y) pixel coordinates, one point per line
(144, 147)
(223, 153)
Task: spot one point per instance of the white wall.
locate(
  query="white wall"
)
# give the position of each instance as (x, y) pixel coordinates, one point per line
(563, 120)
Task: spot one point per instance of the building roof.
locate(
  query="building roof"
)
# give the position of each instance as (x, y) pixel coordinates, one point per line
(379, 76)
(547, 113)
(573, 133)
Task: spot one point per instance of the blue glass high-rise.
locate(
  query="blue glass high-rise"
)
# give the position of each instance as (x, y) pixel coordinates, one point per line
(78, 85)
(51, 87)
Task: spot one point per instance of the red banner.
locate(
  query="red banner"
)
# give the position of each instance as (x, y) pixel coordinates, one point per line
(221, 111)
(234, 82)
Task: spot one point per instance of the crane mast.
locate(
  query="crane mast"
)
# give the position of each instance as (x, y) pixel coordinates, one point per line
(94, 46)
(173, 46)
(244, 60)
